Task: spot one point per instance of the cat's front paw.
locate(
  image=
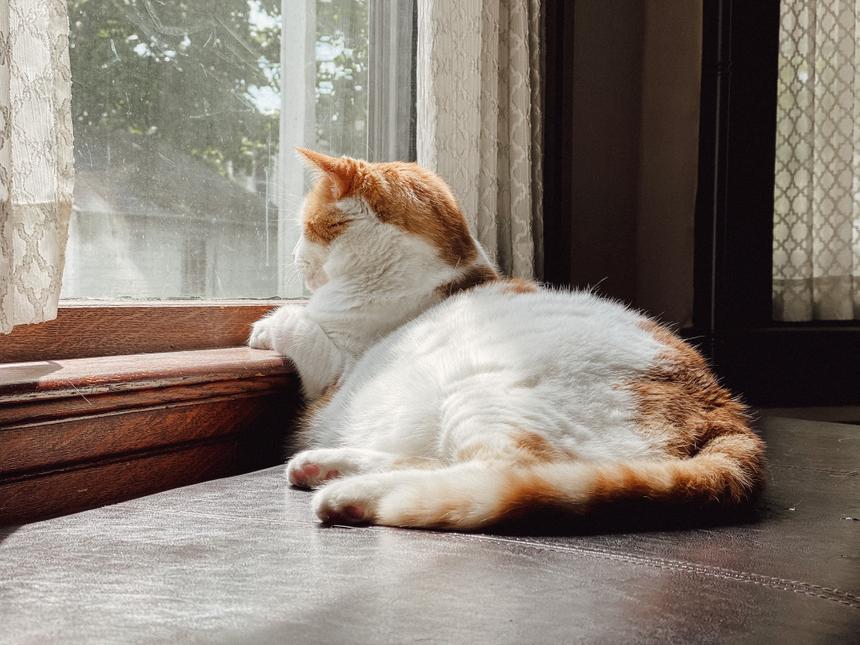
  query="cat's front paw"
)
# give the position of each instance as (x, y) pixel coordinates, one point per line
(279, 329)
(261, 334)
(350, 501)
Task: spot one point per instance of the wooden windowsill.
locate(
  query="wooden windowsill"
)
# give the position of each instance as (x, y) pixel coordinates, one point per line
(99, 375)
(78, 433)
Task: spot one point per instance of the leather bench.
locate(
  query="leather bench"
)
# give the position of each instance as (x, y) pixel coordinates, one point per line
(243, 560)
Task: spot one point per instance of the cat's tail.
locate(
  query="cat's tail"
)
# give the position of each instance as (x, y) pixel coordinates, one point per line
(727, 471)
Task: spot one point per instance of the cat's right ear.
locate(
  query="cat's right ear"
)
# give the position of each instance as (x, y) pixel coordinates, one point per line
(341, 170)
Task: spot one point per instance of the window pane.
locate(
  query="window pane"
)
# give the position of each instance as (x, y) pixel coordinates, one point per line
(186, 182)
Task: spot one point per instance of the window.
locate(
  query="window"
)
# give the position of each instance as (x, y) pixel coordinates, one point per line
(186, 113)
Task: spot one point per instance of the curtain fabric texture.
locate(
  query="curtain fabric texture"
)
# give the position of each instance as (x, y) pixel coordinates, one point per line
(36, 158)
(479, 119)
(816, 252)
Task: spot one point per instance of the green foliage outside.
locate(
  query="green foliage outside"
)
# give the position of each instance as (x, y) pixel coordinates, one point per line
(203, 76)
(341, 106)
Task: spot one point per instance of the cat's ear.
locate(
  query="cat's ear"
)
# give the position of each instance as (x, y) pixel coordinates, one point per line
(341, 170)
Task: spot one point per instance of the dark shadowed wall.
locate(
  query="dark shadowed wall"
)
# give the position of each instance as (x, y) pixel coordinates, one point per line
(635, 146)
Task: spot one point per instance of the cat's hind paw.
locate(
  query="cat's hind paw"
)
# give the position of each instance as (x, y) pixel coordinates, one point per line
(306, 471)
(313, 468)
(350, 501)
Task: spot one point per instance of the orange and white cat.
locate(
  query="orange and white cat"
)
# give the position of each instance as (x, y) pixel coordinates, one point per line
(443, 395)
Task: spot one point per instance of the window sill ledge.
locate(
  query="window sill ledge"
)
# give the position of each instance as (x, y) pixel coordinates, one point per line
(81, 433)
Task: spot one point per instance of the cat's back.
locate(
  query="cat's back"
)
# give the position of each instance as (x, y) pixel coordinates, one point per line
(512, 324)
(572, 344)
(558, 355)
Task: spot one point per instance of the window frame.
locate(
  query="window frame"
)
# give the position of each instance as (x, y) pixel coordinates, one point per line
(557, 160)
(770, 362)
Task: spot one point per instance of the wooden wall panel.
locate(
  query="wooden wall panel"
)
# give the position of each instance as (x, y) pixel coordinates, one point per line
(76, 489)
(83, 438)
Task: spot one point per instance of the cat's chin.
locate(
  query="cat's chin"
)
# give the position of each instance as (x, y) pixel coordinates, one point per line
(314, 282)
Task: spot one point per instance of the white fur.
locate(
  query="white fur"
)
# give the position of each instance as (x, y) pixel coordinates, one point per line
(418, 376)
(486, 361)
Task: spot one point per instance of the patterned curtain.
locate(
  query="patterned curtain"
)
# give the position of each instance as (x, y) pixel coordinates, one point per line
(36, 158)
(479, 118)
(816, 250)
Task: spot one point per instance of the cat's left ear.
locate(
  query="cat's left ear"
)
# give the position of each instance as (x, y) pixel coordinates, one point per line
(341, 170)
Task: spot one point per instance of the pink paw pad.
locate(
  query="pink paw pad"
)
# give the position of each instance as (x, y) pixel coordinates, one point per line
(310, 470)
(297, 478)
(351, 514)
(300, 476)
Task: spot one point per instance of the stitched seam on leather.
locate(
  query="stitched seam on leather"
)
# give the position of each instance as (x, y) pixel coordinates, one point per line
(771, 582)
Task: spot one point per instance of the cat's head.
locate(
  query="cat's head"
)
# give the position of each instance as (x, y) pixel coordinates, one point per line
(395, 221)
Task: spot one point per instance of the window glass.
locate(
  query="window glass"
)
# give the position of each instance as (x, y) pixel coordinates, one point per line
(186, 183)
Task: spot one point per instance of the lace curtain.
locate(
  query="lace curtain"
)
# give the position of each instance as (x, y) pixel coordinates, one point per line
(479, 118)
(816, 254)
(36, 158)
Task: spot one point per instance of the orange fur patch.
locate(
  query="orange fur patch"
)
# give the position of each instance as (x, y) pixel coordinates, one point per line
(417, 201)
(323, 220)
(520, 448)
(525, 492)
(402, 194)
(680, 403)
(538, 448)
(629, 481)
(519, 285)
(474, 276)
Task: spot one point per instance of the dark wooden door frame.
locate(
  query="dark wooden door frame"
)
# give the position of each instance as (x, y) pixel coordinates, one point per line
(771, 363)
(557, 140)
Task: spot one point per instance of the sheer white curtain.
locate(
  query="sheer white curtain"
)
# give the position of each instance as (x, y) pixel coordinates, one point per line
(816, 253)
(479, 118)
(36, 158)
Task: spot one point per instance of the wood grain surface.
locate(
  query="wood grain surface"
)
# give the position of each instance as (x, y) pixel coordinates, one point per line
(42, 445)
(79, 433)
(85, 329)
(85, 376)
(30, 411)
(92, 485)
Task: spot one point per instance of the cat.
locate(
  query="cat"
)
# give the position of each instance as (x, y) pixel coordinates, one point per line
(442, 395)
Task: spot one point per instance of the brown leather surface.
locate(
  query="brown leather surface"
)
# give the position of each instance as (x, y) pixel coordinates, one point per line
(243, 560)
